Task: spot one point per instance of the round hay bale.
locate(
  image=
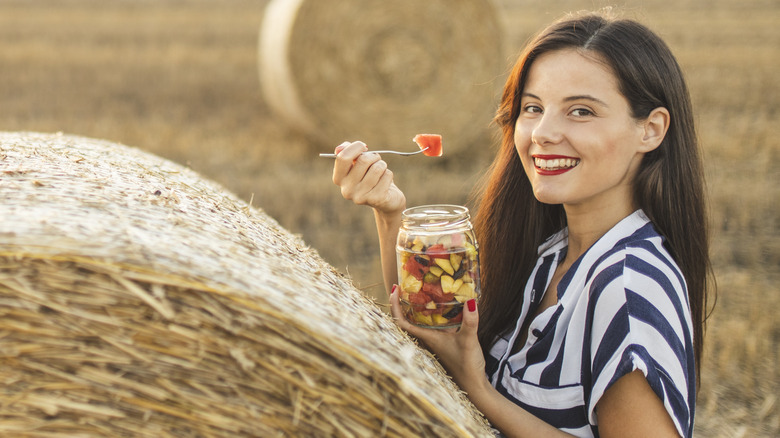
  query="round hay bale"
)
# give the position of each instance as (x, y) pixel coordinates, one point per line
(138, 299)
(382, 71)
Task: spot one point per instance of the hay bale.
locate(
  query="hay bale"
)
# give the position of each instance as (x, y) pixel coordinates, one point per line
(382, 71)
(137, 299)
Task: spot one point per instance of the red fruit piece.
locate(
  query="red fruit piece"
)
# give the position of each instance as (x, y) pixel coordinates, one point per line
(430, 141)
(436, 293)
(414, 268)
(437, 251)
(419, 299)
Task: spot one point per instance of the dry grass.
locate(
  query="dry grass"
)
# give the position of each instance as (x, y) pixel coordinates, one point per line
(138, 299)
(179, 78)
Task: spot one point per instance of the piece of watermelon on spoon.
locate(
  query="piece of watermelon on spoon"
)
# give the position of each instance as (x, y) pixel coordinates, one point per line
(430, 144)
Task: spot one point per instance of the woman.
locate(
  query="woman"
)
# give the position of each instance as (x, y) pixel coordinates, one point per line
(593, 243)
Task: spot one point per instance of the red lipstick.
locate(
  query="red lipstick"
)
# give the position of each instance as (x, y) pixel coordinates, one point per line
(564, 164)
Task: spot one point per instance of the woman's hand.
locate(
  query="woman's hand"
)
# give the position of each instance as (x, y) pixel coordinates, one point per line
(458, 350)
(365, 179)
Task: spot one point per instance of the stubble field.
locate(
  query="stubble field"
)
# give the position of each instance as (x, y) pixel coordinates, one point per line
(179, 78)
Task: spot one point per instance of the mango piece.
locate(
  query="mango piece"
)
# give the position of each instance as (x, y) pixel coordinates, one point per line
(439, 320)
(465, 292)
(445, 265)
(437, 271)
(430, 305)
(449, 285)
(455, 260)
(411, 284)
(471, 251)
(457, 285)
(446, 283)
(423, 319)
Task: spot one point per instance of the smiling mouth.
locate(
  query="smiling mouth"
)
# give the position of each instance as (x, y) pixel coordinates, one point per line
(555, 163)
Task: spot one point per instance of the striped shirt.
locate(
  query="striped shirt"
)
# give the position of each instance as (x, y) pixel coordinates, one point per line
(622, 306)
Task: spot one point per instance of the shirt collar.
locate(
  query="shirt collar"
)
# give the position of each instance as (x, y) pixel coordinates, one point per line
(621, 230)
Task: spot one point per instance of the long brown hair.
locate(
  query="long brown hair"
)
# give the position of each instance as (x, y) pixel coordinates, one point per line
(669, 185)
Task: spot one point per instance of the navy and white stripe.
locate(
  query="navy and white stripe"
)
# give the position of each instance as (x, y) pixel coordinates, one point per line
(622, 306)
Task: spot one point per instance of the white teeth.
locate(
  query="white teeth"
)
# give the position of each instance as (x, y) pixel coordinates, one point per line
(555, 164)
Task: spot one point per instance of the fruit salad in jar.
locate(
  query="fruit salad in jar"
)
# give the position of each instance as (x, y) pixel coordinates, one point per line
(438, 266)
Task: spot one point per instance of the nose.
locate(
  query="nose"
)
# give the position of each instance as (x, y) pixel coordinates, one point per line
(547, 131)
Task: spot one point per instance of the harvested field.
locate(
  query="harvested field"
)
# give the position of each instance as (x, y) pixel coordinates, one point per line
(179, 78)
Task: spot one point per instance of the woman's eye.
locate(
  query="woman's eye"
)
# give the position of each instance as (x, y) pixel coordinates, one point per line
(533, 109)
(581, 112)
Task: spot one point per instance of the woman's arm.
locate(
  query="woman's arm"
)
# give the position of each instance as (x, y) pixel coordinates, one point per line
(459, 352)
(365, 180)
(630, 408)
(387, 226)
(627, 408)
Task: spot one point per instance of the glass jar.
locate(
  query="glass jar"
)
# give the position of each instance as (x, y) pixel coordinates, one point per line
(438, 264)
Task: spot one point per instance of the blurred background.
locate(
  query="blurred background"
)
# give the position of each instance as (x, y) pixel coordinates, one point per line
(180, 79)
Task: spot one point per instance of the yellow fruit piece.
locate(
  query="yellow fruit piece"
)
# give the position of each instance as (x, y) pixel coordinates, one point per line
(411, 284)
(466, 278)
(445, 264)
(439, 320)
(457, 285)
(417, 245)
(430, 305)
(437, 271)
(471, 250)
(423, 319)
(446, 283)
(455, 260)
(465, 292)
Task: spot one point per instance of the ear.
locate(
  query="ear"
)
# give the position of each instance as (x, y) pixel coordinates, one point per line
(655, 126)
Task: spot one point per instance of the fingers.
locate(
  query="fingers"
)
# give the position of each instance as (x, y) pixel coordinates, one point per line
(395, 309)
(369, 190)
(399, 318)
(363, 177)
(382, 185)
(470, 321)
(341, 147)
(346, 154)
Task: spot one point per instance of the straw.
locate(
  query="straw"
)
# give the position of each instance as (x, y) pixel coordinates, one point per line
(138, 299)
(382, 71)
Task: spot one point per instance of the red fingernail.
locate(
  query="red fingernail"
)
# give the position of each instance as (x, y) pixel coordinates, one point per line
(472, 303)
(392, 291)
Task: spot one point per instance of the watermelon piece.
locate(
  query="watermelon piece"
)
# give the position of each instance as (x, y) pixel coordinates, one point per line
(413, 267)
(430, 141)
(437, 251)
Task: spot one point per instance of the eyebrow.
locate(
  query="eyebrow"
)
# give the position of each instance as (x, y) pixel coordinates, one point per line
(572, 98)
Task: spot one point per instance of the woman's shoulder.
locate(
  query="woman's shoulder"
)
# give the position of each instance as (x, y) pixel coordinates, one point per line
(639, 279)
(635, 250)
(638, 270)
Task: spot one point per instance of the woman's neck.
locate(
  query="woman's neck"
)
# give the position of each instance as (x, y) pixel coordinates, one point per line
(586, 226)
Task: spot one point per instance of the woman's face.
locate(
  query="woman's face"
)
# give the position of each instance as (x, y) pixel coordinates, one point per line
(575, 136)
